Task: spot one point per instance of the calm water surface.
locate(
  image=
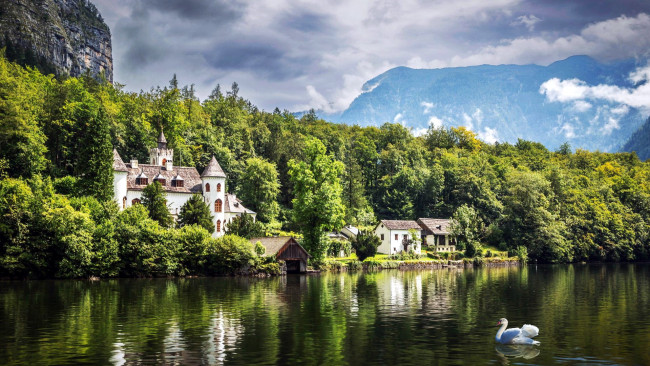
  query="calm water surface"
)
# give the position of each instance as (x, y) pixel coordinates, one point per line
(587, 314)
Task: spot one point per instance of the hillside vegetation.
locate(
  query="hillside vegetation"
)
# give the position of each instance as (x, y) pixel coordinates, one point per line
(57, 218)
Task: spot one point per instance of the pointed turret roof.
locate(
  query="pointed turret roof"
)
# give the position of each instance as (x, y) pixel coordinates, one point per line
(162, 141)
(118, 164)
(213, 169)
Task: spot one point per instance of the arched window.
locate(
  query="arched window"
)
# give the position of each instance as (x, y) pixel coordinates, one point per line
(218, 225)
(217, 206)
(135, 201)
(124, 202)
(164, 162)
(207, 187)
(218, 187)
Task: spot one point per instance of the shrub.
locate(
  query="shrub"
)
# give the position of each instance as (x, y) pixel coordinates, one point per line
(229, 254)
(365, 244)
(354, 265)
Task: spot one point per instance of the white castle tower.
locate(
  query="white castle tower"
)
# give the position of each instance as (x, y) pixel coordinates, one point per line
(120, 174)
(161, 155)
(213, 180)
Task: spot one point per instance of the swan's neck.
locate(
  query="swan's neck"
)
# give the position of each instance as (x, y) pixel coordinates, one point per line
(503, 327)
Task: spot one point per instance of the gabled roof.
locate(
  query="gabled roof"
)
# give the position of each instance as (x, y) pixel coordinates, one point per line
(436, 226)
(400, 224)
(234, 205)
(213, 169)
(191, 179)
(118, 164)
(278, 244)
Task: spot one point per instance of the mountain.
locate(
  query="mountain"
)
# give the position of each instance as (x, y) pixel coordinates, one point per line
(57, 36)
(501, 103)
(640, 141)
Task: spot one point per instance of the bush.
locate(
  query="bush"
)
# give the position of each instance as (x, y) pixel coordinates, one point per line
(354, 266)
(67, 185)
(229, 254)
(365, 244)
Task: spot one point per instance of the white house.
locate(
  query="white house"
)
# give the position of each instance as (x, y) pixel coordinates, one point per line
(437, 234)
(179, 183)
(395, 236)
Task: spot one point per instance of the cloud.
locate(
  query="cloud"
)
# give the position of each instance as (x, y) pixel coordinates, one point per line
(567, 129)
(489, 135)
(427, 107)
(399, 118)
(435, 122)
(528, 21)
(557, 90)
(581, 106)
(611, 125)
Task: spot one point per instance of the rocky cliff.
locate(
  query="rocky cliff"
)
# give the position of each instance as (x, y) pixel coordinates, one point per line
(59, 36)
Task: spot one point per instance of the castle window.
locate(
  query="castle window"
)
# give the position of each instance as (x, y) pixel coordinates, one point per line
(164, 162)
(218, 225)
(135, 201)
(160, 179)
(178, 181)
(207, 187)
(382, 237)
(217, 206)
(124, 202)
(218, 187)
(396, 237)
(141, 181)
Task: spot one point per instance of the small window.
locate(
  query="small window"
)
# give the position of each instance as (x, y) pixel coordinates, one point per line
(396, 237)
(218, 225)
(164, 162)
(135, 201)
(382, 237)
(177, 183)
(141, 181)
(217, 206)
(218, 187)
(207, 187)
(124, 202)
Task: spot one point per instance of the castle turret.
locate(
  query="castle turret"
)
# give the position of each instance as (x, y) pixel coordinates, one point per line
(161, 155)
(213, 181)
(120, 173)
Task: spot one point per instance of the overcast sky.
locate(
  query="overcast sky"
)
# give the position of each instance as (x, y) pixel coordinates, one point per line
(297, 55)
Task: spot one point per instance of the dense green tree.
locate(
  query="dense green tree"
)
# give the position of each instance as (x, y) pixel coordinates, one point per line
(195, 212)
(317, 188)
(245, 226)
(259, 188)
(153, 199)
(365, 244)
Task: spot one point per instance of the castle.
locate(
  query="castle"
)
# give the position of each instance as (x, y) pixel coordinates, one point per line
(179, 184)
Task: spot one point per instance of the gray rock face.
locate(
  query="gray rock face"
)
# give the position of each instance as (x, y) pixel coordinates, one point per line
(68, 34)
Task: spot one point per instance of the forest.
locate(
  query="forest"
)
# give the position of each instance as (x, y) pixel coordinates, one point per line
(302, 175)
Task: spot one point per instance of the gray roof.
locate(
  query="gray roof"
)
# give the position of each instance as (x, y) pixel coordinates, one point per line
(213, 169)
(118, 164)
(162, 138)
(234, 205)
(400, 224)
(191, 179)
(272, 244)
(436, 226)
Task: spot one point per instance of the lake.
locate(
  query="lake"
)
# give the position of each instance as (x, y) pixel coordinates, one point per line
(587, 314)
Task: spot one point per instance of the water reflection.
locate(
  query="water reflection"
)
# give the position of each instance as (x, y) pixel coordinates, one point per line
(510, 351)
(388, 317)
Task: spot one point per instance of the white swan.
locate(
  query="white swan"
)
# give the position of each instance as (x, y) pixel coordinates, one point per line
(516, 335)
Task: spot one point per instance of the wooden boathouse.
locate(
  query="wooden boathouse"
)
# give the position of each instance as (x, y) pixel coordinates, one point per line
(287, 249)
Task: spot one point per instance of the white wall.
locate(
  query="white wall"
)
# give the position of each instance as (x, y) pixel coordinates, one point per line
(119, 188)
(211, 197)
(390, 245)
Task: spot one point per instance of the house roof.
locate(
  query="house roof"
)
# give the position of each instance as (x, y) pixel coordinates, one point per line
(191, 178)
(234, 205)
(118, 164)
(162, 138)
(213, 169)
(274, 244)
(436, 226)
(400, 224)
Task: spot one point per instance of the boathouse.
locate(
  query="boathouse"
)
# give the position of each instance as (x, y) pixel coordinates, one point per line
(287, 249)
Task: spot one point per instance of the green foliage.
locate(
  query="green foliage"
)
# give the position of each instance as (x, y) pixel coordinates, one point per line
(259, 188)
(245, 226)
(365, 244)
(229, 254)
(317, 188)
(195, 212)
(153, 198)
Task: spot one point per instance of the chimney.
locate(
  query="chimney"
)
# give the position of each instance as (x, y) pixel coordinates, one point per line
(169, 165)
(134, 163)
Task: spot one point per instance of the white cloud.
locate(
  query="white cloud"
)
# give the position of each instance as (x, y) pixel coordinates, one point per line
(581, 106)
(528, 21)
(478, 116)
(435, 122)
(427, 107)
(568, 130)
(317, 100)
(399, 118)
(620, 110)
(489, 135)
(557, 90)
(611, 125)
(468, 121)
(419, 131)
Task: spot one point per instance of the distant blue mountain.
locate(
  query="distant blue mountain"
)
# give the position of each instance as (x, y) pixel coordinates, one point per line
(501, 103)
